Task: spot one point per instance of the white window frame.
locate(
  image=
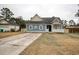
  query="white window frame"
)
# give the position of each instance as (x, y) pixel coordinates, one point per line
(41, 27)
(30, 27)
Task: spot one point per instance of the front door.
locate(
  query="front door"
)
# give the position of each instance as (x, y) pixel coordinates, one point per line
(49, 28)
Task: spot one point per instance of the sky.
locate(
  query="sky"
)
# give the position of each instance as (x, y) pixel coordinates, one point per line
(64, 11)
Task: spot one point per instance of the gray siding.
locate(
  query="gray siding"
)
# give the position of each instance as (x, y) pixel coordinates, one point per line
(35, 27)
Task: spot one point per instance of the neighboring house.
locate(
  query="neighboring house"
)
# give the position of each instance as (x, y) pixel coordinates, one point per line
(72, 28)
(7, 26)
(44, 24)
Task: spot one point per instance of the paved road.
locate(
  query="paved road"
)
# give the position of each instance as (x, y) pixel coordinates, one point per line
(16, 44)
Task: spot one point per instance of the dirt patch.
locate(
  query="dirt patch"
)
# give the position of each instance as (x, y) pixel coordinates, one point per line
(54, 44)
(7, 34)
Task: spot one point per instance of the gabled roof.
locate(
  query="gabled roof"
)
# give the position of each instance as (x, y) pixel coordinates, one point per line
(3, 22)
(47, 20)
(35, 16)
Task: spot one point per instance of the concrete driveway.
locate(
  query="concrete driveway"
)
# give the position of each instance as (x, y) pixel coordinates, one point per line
(16, 44)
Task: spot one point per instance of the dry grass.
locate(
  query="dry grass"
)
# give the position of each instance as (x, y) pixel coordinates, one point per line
(7, 34)
(54, 44)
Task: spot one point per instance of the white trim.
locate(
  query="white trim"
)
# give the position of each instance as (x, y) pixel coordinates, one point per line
(41, 27)
(31, 27)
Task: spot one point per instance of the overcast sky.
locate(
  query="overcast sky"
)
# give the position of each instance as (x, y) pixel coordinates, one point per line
(64, 11)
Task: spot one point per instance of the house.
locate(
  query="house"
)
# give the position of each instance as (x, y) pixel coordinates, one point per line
(72, 27)
(44, 24)
(8, 26)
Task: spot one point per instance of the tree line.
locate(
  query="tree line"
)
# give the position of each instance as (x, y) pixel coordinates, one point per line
(7, 15)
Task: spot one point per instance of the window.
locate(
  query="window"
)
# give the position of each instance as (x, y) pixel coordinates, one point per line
(30, 27)
(41, 27)
(56, 26)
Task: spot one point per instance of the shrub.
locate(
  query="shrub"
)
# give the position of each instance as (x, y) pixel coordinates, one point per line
(12, 30)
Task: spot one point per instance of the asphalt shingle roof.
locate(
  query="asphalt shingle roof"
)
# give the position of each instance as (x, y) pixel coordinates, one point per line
(47, 20)
(10, 22)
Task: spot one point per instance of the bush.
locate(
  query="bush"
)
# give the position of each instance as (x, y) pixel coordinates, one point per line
(12, 30)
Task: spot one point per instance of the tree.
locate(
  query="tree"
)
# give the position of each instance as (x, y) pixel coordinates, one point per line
(20, 22)
(6, 13)
(64, 23)
(77, 15)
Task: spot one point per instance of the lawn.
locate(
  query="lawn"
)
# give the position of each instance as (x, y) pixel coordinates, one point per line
(54, 44)
(7, 34)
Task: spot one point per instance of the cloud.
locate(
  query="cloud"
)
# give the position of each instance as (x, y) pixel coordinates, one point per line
(64, 11)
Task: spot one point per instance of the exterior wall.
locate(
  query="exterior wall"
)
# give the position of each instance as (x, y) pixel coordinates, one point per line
(59, 29)
(9, 27)
(66, 30)
(73, 30)
(5, 27)
(36, 27)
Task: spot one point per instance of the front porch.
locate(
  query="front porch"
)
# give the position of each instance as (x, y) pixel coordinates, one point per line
(55, 28)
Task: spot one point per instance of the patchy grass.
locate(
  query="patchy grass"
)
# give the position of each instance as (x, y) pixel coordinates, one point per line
(7, 34)
(54, 44)
(76, 35)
